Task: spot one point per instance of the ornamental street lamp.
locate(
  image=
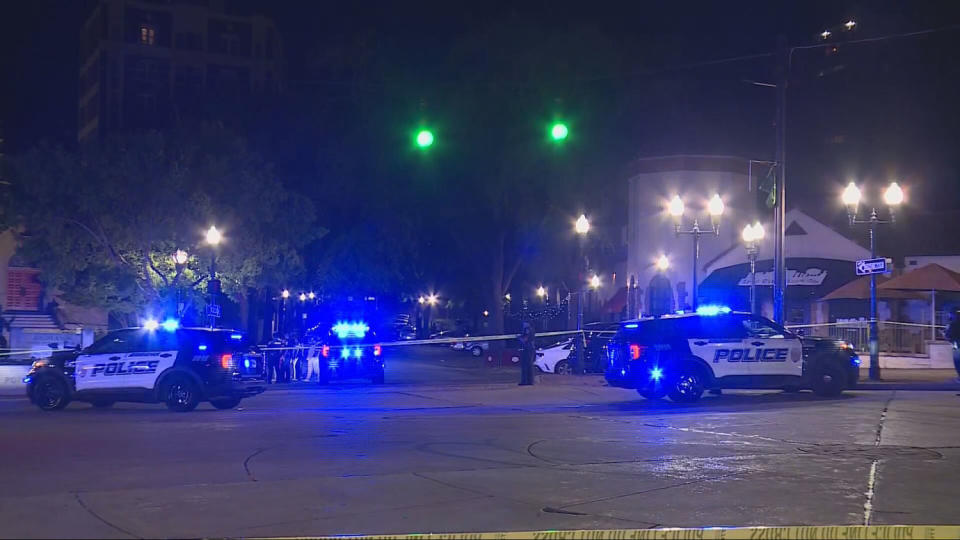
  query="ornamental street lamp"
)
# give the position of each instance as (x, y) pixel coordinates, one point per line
(213, 238)
(752, 234)
(715, 208)
(893, 197)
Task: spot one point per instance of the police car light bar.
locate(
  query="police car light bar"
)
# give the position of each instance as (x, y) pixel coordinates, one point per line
(170, 325)
(344, 330)
(711, 311)
(150, 324)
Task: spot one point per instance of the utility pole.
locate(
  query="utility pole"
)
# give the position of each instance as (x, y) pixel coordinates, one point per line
(779, 227)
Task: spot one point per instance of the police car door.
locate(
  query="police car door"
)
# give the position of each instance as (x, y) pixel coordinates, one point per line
(718, 341)
(771, 349)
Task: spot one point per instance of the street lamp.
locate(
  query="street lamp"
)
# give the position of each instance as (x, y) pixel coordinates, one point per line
(893, 197)
(594, 282)
(663, 263)
(715, 208)
(582, 225)
(752, 234)
(302, 297)
(179, 258)
(542, 292)
(285, 294)
(311, 295)
(432, 299)
(213, 238)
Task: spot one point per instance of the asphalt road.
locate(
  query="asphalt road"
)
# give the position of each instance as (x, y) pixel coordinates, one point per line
(448, 446)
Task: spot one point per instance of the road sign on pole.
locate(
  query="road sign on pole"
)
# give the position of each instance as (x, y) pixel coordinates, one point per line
(865, 267)
(213, 310)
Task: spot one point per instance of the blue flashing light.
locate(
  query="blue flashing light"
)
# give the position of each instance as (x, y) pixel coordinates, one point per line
(680, 312)
(656, 374)
(201, 347)
(631, 325)
(345, 330)
(246, 363)
(855, 360)
(170, 325)
(358, 352)
(344, 353)
(27, 379)
(712, 310)
(236, 337)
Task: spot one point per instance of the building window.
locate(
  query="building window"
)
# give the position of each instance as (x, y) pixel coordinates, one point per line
(148, 35)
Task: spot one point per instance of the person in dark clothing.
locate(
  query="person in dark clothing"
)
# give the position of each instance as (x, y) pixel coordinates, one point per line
(527, 352)
(953, 336)
(272, 368)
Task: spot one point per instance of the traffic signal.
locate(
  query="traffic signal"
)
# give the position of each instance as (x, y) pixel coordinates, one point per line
(424, 138)
(559, 131)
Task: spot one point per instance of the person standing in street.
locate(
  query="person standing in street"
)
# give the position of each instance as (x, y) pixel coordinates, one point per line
(527, 352)
(953, 336)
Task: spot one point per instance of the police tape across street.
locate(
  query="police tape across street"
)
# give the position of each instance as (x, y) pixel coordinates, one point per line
(448, 340)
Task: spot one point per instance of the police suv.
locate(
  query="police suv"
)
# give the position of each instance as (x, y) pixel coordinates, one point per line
(680, 356)
(158, 363)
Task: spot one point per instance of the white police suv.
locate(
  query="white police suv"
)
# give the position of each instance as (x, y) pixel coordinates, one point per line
(680, 356)
(158, 363)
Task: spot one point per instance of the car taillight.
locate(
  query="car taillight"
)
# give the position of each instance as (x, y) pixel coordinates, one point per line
(226, 361)
(376, 350)
(325, 351)
(636, 351)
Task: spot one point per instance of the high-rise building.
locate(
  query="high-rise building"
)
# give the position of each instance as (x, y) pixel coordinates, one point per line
(143, 63)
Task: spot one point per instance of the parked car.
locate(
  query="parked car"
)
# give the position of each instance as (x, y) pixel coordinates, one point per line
(596, 336)
(555, 358)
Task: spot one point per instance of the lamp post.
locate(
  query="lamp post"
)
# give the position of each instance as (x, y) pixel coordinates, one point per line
(892, 196)
(213, 238)
(752, 234)
(715, 208)
(180, 259)
(581, 227)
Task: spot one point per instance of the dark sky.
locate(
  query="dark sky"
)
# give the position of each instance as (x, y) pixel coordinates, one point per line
(876, 111)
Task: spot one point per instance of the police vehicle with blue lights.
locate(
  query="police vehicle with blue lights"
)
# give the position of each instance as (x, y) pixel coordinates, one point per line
(349, 350)
(681, 356)
(159, 362)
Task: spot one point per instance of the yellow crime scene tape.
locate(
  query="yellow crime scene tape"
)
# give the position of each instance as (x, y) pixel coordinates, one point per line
(442, 341)
(813, 532)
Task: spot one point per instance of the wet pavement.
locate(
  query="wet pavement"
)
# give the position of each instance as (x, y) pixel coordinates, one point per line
(450, 446)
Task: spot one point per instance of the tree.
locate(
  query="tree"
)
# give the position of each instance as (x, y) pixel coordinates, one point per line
(103, 223)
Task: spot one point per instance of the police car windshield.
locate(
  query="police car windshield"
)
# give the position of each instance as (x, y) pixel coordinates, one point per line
(666, 328)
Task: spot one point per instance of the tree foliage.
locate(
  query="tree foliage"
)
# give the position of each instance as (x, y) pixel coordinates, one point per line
(103, 223)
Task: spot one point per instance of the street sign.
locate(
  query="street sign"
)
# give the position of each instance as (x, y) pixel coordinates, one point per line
(213, 310)
(866, 267)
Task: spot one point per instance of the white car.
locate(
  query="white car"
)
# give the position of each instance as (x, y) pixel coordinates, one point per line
(555, 358)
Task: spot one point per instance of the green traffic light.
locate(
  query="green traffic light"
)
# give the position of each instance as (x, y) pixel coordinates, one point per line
(424, 138)
(559, 131)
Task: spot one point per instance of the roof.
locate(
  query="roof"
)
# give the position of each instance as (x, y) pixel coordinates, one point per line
(859, 289)
(931, 277)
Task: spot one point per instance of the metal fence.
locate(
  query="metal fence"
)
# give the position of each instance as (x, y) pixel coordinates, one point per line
(894, 337)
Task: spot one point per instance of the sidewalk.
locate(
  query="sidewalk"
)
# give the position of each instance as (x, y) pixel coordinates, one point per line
(909, 379)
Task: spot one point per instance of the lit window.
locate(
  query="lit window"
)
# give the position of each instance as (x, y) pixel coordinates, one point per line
(148, 35)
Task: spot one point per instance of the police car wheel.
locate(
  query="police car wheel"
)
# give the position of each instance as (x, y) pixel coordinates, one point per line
(687, 385)
(50, 394)
(477, 351)
(563, 368)
(102, 403)
(225, 403)
(181, 395)
(829, 381)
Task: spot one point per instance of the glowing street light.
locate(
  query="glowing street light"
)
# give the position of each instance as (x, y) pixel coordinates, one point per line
(675, 206)
(594, 281)
(825, 34)
(486, 313)
(180, 258)
(893, 196)
(542, 291)
(751, 235)
(213, 236)
(715, 205)
(422, 300)
(432, 299)
(285, 294)
(302, 297)
(582, 225)
(663, 263)
(507, 297)
(850, 25)
(851, 196)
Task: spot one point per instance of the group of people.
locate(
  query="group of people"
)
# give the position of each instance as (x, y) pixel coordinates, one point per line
(289, 360)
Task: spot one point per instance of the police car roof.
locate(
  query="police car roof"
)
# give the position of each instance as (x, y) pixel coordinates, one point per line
(678, 316)
(182, 328)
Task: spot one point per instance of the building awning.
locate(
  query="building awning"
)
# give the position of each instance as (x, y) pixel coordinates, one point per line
(931, 277)
(859, 289)
(807, 279)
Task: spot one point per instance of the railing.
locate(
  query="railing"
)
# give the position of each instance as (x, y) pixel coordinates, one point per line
(894, 337)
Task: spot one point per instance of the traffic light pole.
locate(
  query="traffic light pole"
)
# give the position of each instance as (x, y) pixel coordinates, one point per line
(779, 228)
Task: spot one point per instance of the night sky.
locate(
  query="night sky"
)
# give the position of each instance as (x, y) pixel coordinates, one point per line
(873, 112)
